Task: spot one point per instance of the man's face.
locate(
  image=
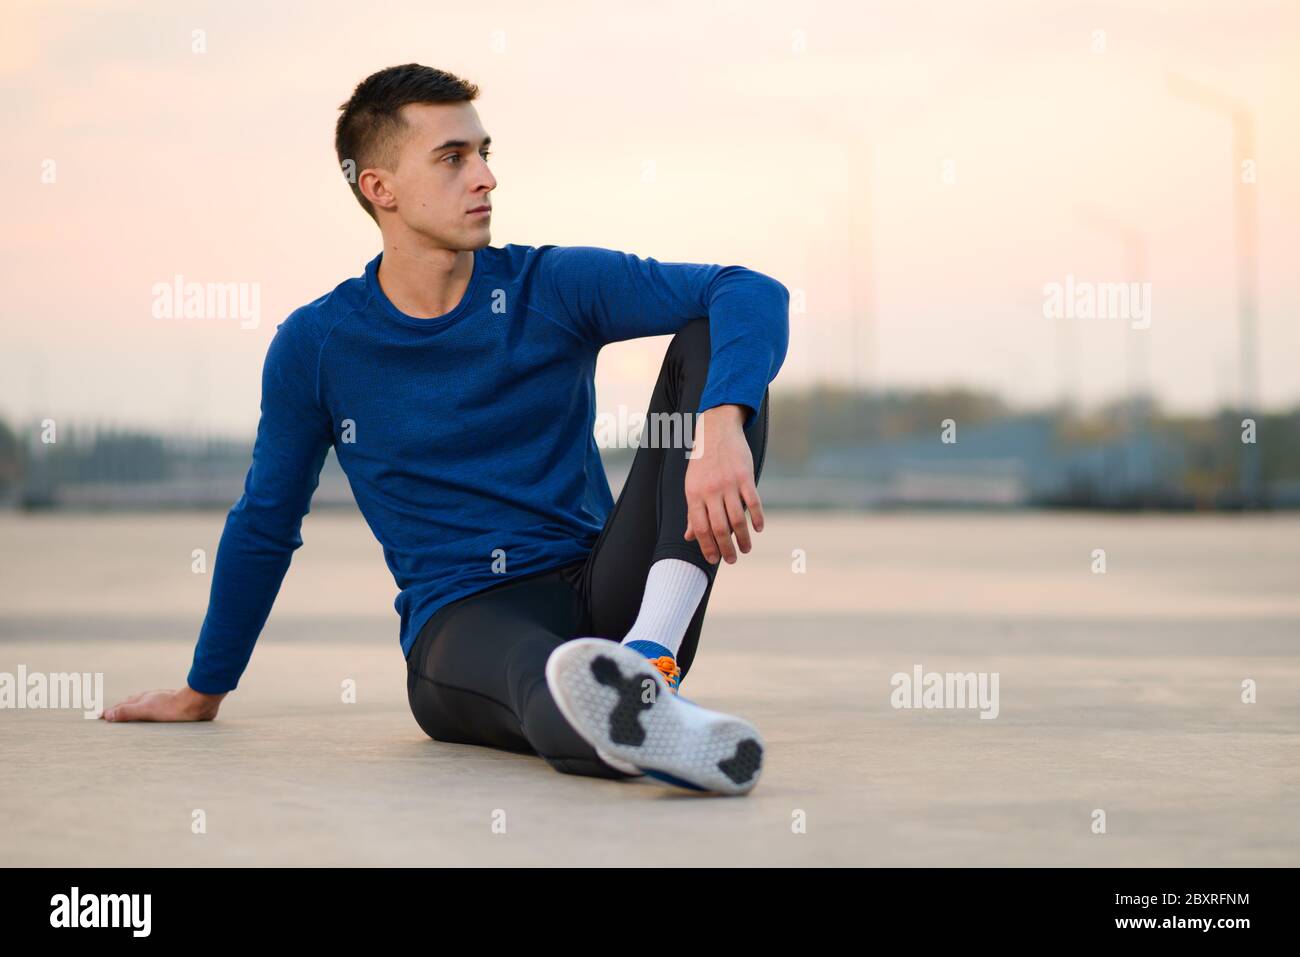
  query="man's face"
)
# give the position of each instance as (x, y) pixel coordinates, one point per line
(442, 176)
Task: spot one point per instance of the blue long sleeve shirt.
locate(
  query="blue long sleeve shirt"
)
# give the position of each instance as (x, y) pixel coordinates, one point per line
(469, 436)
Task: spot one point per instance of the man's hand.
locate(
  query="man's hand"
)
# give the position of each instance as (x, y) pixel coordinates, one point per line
(183, 705)
(719, 483)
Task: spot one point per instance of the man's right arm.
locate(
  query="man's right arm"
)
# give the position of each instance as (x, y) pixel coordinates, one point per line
(261, 533)
(294, 435)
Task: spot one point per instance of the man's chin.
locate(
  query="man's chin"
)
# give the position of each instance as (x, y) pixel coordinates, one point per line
(467, 240)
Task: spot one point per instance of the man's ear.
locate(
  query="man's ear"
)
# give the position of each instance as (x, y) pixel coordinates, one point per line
(374, 187)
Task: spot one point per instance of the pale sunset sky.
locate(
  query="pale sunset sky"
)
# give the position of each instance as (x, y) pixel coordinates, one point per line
(915, 172)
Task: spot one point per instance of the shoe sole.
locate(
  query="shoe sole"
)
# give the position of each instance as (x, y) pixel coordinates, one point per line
(601, 689)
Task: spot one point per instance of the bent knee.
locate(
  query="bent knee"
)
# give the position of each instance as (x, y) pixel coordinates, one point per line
(692, 338)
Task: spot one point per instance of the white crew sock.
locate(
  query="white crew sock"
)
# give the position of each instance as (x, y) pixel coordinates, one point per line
(673, 590)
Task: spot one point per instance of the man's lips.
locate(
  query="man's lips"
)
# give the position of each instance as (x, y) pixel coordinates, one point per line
(481, 209)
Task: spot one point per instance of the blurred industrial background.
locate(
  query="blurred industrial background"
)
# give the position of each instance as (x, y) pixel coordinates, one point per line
(830, 448)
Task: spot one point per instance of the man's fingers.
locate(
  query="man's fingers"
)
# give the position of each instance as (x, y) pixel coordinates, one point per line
(699, 523)
(126, 711)
(750, 493)
(145, 706)
(722, 529)
(736, 518)
(109, 713)
(712, 522)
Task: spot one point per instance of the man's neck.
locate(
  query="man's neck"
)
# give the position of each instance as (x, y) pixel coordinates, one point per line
(424, 283)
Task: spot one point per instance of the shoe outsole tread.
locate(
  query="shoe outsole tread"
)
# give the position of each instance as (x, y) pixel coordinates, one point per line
(619, 702)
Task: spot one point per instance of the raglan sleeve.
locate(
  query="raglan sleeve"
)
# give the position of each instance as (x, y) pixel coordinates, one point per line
(610, 296)
(262, 530)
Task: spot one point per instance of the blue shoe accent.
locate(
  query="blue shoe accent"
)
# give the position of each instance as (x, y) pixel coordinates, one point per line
(653, 651)
(670, 779)
(650, 649)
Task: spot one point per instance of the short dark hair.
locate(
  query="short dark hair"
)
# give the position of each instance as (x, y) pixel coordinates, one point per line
(369, 130)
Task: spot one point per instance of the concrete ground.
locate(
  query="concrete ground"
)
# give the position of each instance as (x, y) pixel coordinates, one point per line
(1118, 691)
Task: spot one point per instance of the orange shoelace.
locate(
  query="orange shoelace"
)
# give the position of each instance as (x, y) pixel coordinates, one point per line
(668, 668)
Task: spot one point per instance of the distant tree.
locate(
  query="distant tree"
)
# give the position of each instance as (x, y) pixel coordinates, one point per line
(11, 465)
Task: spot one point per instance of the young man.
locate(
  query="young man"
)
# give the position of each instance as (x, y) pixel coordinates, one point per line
(454, 380)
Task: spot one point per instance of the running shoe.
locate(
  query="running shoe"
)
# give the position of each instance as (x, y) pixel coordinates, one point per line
(621, 703)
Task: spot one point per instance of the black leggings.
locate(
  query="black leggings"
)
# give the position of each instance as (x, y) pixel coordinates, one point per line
(476, 674)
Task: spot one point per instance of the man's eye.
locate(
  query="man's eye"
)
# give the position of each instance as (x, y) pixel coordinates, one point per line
(486, 153)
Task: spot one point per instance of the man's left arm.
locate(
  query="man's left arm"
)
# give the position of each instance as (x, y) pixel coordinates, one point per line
(611, 296)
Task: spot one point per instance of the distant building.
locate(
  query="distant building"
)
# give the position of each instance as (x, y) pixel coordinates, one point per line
(1011, 462)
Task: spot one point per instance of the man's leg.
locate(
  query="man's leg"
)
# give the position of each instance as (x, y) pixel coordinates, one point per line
(476, 675)
(606, 688)
(649, 519)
